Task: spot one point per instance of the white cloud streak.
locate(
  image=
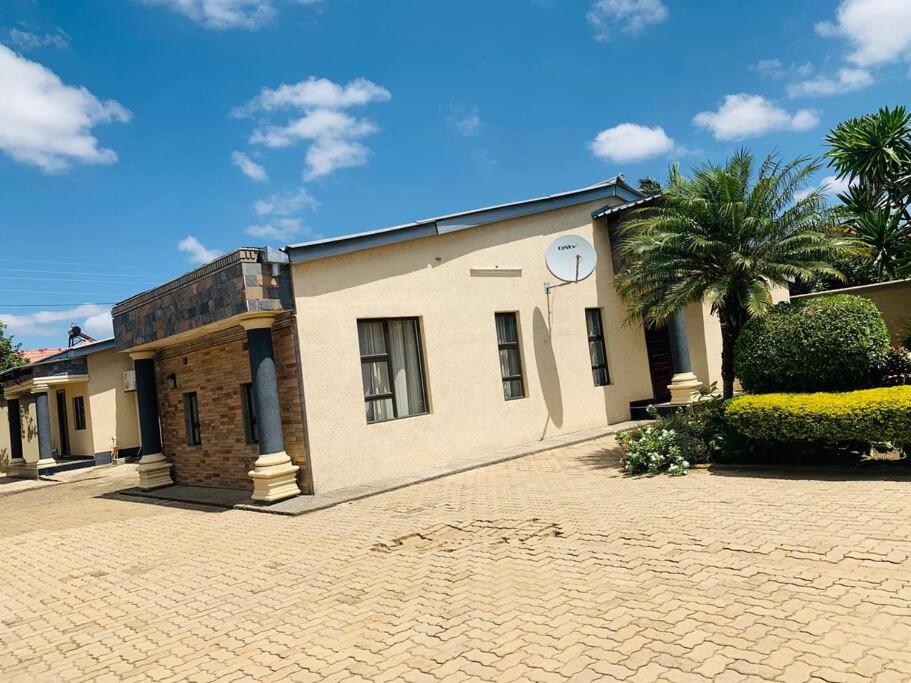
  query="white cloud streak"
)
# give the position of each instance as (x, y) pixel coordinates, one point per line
(29, 40)
(197, 253)
(249, 168)
(280, 229)
(846, 80)
(743, 116)
(466, 121)
(284, 203)
(631, 142)
(629, 16)
(48, 124)
(334, 136)
(94, 319)
(222, 14)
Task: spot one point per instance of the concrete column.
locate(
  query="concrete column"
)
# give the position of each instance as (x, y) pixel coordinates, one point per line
(684, 385)
(274, 477)
(43, 416)
(154, 468)
(15, 431)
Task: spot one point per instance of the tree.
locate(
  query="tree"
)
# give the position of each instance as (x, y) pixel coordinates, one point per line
(9, 351)
(649, 186)
(873, 153)
(726, 236)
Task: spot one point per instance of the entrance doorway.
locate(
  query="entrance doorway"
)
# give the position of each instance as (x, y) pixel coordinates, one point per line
(660, 363)
(62, 425)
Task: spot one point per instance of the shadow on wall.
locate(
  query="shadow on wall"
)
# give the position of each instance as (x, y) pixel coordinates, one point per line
(548, 374)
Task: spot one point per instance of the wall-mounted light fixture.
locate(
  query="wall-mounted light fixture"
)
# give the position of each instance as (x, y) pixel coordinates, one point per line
(172, 381)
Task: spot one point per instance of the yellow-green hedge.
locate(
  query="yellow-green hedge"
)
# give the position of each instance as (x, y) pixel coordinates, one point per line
(870, 415)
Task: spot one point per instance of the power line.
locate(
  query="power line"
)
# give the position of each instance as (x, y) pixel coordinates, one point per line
(65, 272)
(84, 303)
(71, 279)
(65, 263)
(44, 291)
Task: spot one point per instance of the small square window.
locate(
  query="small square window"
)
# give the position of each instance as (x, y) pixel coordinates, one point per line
(191, 419)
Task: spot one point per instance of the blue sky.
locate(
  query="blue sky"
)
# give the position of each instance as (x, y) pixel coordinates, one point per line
(139, 137)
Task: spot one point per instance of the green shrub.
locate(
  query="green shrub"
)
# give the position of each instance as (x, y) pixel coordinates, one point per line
(828, 343)
(870, 416)
(652, 450)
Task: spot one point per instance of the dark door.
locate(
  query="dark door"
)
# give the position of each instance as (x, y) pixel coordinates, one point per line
(62, 423)
(660, 365)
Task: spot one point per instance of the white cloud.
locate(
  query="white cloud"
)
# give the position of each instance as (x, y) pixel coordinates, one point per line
(45, 122)
(28, 40)
(222, 14)
(281, 229)
(284, 203)
(744, 116)
(95, 321)
(877, 31)
(316, 93)
(333, 134)
(845, 80)
(630, 16)
(249, 167)
(464, 120)
(831, 186)
(197, 252)
(631, 142)
(775, 68)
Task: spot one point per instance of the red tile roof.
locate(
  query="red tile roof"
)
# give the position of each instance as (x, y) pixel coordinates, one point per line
(34, 355)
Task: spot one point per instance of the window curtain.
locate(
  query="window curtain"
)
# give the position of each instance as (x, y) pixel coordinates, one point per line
(406, 367)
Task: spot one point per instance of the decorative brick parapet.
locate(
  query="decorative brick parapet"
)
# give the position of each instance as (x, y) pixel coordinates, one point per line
(215, 367)
(240, 282)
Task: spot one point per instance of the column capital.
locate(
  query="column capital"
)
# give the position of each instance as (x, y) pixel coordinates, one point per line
(40, 388)
(142, 355)
(258, 321)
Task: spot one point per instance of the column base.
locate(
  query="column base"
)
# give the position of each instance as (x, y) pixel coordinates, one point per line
(684, 388)
(274, 478)
(154, 472)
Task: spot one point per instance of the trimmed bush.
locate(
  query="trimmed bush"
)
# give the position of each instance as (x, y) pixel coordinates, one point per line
(870, 415)
(828, 343)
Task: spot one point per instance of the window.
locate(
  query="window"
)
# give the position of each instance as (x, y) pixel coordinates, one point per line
(510, 356)
(392, 368)
(79, 411)
(596, 350)
(248, 407)
(191, 419)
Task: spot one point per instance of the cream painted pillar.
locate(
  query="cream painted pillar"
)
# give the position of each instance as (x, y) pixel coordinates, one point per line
(274, 477)
(154, 468)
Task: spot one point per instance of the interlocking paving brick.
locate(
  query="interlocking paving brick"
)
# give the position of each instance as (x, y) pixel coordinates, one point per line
(551, 567)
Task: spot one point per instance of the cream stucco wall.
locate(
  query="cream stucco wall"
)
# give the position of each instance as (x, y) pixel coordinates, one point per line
(113, 410)
(432, 279)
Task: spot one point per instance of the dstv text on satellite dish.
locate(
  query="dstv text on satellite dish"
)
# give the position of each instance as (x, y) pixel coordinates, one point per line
(571, 258)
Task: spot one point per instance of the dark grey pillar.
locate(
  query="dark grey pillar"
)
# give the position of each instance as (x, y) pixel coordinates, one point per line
(265, 391)
(147, 398)
(15, 428)
(43, 413)
(680, 348)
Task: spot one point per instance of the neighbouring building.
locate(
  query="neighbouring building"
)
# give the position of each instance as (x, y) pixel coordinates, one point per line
(69, 409)
(893, 299)
(342, 361)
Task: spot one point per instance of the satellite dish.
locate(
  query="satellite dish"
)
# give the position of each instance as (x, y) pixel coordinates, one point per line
(571, 258)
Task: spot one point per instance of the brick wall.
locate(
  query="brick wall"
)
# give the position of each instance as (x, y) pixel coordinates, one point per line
(215, 367)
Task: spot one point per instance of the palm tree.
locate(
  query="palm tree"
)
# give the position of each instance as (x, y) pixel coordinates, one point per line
(726, 236)
(873, 153)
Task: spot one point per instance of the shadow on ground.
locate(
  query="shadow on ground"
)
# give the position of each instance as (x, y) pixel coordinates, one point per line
(129, 496)
(604, 459)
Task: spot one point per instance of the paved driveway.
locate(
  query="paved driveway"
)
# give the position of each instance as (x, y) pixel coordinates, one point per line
(544, 568)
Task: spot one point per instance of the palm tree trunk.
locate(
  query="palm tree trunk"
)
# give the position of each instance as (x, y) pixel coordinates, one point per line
(730, 329)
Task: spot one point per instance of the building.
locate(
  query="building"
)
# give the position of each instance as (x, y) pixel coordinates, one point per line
(342, 361)
(69, 409)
